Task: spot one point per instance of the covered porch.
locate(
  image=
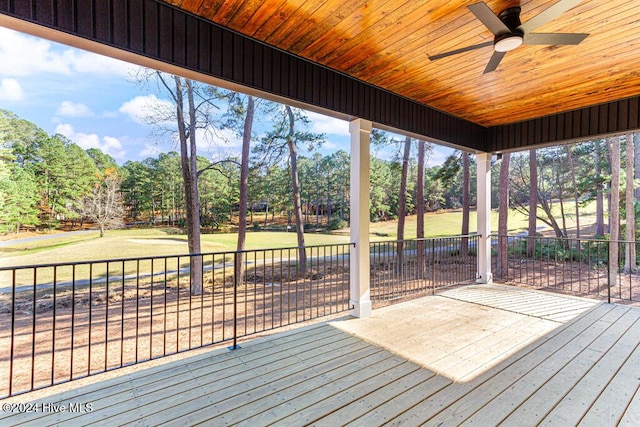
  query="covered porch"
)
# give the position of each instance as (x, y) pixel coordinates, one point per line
(502, 355)
(483, 354)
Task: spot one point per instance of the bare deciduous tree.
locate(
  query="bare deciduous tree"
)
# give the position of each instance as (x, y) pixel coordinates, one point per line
(630, 265)
(244, 183)
(192, 109)
(533, 202)
(466, 202)
(297, 204)
(614, 214)
(104, 205)
(402, 201)
(420, 205)
(503, 216)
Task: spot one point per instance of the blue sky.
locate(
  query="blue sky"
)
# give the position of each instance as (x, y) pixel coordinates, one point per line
(94, 101)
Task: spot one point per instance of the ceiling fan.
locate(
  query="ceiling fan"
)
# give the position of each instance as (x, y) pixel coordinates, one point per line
(509, 33)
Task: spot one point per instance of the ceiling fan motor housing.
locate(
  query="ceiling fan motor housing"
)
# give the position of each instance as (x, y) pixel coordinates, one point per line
(511, 18)
(505, 42)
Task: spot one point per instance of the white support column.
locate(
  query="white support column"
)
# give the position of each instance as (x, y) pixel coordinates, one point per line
(484, 218)
(360, 299)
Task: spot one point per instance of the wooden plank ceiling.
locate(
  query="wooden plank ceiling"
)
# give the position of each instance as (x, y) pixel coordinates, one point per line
(387, 43)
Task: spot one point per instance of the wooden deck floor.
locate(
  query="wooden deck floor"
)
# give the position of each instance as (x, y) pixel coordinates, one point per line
(478, 355)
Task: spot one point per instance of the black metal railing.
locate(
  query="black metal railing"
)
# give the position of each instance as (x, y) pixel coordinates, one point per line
(412, 268)
(578, 266)
(65, 321)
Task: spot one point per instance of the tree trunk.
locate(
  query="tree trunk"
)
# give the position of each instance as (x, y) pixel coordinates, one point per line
(614, 214)
(533, 202)
(599, 192)
(636, 149)
(561, 194)
(576, 196)
(466, 202)
(297, 206)
(630, 265)
(608, 195)
(420, 208)
(402, 202)
(329, 213)
(503, 215)
(244, 184)
(190, 178)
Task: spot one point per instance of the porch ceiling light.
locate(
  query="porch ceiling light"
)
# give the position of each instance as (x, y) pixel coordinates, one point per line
(508, 42)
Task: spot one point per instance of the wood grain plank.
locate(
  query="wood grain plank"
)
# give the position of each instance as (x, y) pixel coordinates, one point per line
(631, 415)
(468, 397)
(284, 405)
(529, 398)
(236, 397)
(361, 407)
(356, 392)
(577, 402)
(402, 402)
(612, 402)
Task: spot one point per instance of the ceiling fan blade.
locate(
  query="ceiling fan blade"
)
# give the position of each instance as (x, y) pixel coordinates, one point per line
(494, 62)
(488, 18)
(548, 14)
(554, 38)
(457, 51)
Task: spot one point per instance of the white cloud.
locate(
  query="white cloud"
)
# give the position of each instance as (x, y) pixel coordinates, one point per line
(325, 124)
(107, 144)
(94, 64)
(142, 107)
(11, 90)
(24, 55)
(332, 146)
(73, 109)
(150, 150)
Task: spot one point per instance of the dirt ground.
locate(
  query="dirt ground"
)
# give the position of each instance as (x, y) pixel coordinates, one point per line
(574, 278)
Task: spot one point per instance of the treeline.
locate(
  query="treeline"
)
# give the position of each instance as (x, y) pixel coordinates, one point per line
(562, 180)
(541, 182)
(48, 180)
(153, 192)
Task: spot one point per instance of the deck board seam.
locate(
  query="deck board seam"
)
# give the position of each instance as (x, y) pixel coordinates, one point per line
(490, 375)
(186, 368)
(555, 373)
(530, 350)
(314, 374)
(503, 309)
(363, 396)
(623, 366)
(250, 371)
(623, 337)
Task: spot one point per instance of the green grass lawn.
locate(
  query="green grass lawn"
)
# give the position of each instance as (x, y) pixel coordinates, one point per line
(157, 242)
(143, 243)
(449, 223)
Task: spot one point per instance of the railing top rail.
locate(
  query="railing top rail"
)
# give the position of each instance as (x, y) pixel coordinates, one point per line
(150, 258)
(570, 239)
(424, 239)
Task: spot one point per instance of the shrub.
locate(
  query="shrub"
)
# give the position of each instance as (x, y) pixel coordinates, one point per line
(337, 224)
